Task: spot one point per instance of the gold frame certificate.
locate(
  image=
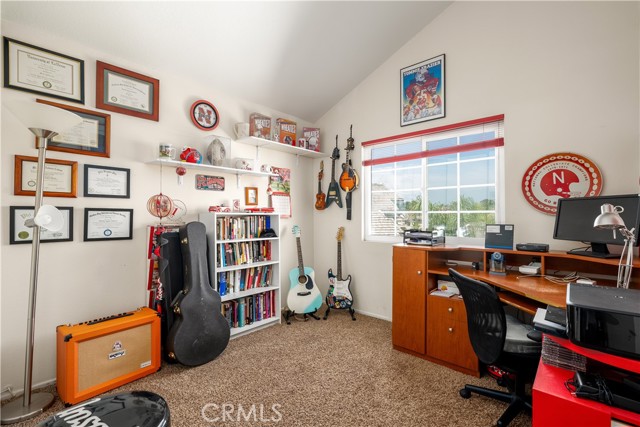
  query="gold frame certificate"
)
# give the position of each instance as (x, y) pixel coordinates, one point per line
(60, 177)
(34, 69)
(108, 224)
(105, 181)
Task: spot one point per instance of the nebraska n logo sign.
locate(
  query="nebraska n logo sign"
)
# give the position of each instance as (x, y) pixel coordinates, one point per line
(558, 176)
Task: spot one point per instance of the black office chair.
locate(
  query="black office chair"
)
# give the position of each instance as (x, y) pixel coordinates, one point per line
(499, 340)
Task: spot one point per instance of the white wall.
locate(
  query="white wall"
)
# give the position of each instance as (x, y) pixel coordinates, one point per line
(85, 280)
(564, 74)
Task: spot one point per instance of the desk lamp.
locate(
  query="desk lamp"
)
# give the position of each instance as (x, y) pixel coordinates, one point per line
(609, 219)
(45, 122)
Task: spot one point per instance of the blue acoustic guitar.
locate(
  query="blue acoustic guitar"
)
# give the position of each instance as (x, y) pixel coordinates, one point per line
(339, 293)
(304, 296)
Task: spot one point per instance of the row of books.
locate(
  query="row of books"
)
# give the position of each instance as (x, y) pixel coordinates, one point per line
(244, 311)
(239, 253)
(241, 280)
(245, 227)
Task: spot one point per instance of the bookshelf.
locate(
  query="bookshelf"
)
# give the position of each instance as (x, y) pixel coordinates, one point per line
(244, 268)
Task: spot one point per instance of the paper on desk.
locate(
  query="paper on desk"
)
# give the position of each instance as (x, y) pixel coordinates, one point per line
(446, 294)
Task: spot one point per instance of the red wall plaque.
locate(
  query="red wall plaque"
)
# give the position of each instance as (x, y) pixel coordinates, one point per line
(557, 176)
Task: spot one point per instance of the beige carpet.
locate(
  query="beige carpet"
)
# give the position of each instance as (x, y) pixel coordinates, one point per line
(318, 373)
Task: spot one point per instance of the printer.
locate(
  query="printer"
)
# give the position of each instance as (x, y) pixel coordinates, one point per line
(425, 238)
(606, 319)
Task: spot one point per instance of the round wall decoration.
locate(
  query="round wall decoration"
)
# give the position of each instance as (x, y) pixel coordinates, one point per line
(560, 175)
(204, 115)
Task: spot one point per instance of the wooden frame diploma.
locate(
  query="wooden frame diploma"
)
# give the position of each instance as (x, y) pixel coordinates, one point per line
(37, 70)
(108, 224)
(60, 177)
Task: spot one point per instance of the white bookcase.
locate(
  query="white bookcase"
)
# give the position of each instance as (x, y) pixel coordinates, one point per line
(248, 264)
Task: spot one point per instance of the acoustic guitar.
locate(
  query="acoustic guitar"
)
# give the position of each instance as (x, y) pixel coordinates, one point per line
(200, 332)
(304, 296)
(349, 179)
(339, 293)
(320, 196)
(333, 193)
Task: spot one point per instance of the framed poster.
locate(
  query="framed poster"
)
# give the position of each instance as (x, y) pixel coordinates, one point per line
(34, 69)
(60, 177)
(106, 181)
(127, 92)
(251, 196)
(422, 96)
(91, 137)
(20, 233)
(108, 224)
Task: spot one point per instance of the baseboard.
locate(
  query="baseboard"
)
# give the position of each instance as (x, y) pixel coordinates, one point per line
(377, 316)
(9, 393)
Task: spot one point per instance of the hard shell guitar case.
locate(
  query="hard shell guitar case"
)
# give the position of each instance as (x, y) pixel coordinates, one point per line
(200, 333)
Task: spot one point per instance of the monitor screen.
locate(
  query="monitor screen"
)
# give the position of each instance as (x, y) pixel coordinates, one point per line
(575, 217)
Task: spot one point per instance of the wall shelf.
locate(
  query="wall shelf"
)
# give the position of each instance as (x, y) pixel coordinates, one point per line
(275, 145)
(202, 166)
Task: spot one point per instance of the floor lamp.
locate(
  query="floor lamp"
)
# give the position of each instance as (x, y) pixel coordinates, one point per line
(45, 122)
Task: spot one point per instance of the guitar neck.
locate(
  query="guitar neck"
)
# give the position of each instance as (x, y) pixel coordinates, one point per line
(300, 263)
(339, 260)
(333, 170)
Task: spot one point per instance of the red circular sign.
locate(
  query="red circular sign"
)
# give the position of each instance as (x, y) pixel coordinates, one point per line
(558, 176)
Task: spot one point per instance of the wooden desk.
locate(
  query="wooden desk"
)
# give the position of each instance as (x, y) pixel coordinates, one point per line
(426, 332)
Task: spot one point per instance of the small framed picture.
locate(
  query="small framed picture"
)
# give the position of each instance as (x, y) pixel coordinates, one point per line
(106, 181)
(422, 91)
(61, 177)
(108, 224)
(251, 196)
(34, 69)
(204, 115)
(127, 92)
(20, 233)
(91, 137)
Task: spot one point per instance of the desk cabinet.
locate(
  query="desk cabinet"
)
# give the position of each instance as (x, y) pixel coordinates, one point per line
(409, 299)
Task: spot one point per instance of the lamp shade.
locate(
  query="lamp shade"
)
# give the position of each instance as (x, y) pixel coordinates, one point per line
(610, 218)
(40, 116)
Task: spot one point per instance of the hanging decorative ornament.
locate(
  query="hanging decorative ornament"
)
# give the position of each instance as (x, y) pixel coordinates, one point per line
(181, 171)
(160, 205)
(179, 210)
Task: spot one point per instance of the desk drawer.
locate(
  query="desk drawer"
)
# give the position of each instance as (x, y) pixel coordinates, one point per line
(451, 309)
(447, 333)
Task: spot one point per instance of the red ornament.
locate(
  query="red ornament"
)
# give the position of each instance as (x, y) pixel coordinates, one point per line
(181, 171)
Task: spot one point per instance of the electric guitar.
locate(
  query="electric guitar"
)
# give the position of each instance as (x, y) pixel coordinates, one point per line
(349, 179)
(304, 295)
(333, 193)
(339, 294)
(320, 196)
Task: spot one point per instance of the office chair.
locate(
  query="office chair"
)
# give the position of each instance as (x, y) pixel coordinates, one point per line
(499, 340)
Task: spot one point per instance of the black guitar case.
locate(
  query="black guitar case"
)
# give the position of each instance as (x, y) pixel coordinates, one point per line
(200, 333)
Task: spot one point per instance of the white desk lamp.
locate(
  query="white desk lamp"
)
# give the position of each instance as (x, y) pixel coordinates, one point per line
(45, 122)
(610, 219)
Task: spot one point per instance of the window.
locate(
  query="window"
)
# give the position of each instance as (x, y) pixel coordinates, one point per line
(447, 178)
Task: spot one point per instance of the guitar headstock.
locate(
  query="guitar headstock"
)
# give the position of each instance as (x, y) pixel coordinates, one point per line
(350, 140)
(296, 231)
(340, 234)
(336, 151)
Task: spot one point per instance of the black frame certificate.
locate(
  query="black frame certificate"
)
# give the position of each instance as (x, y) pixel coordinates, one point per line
(34, 69)
(20, 233)
(108, 224)
(105, 181)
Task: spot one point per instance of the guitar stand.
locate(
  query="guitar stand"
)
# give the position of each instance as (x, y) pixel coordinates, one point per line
(352, 312)
(288, 314)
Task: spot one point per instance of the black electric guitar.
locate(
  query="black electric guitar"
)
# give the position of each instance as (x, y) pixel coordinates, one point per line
(304, 297)
(320, 196)
(200, 331)
(333, 193)
(339, 293)
(349, 179)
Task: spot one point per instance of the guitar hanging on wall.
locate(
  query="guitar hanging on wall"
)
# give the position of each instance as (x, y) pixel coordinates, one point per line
(349, 179)
(320, 196)
(333, 193)
(304, 297)
(339, 294)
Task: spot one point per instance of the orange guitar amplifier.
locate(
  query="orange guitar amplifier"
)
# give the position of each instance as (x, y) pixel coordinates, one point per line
(102, 354)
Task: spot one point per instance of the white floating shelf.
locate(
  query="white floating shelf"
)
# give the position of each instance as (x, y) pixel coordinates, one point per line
(219, 169)
(278, 146)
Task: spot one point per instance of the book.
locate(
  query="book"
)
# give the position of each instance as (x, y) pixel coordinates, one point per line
(286, 131)
(260, 126)
(312, 138)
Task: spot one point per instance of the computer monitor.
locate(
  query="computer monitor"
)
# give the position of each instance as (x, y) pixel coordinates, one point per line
(575, 217)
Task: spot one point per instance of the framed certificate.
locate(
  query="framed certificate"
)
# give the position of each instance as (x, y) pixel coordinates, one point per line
(60, 177)
(105, 181)
(108, 224)
(37, 70)
(20, 233)
(91, 137)
(126, 92)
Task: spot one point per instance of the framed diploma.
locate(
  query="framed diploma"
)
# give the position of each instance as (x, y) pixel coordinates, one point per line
(60, 177)
(105, 181)
(91, 137)
(37, 70)
(126, 92)
(20, 233)
(108, 224)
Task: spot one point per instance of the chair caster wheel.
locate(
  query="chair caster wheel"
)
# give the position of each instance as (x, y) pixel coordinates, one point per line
(464, 393)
